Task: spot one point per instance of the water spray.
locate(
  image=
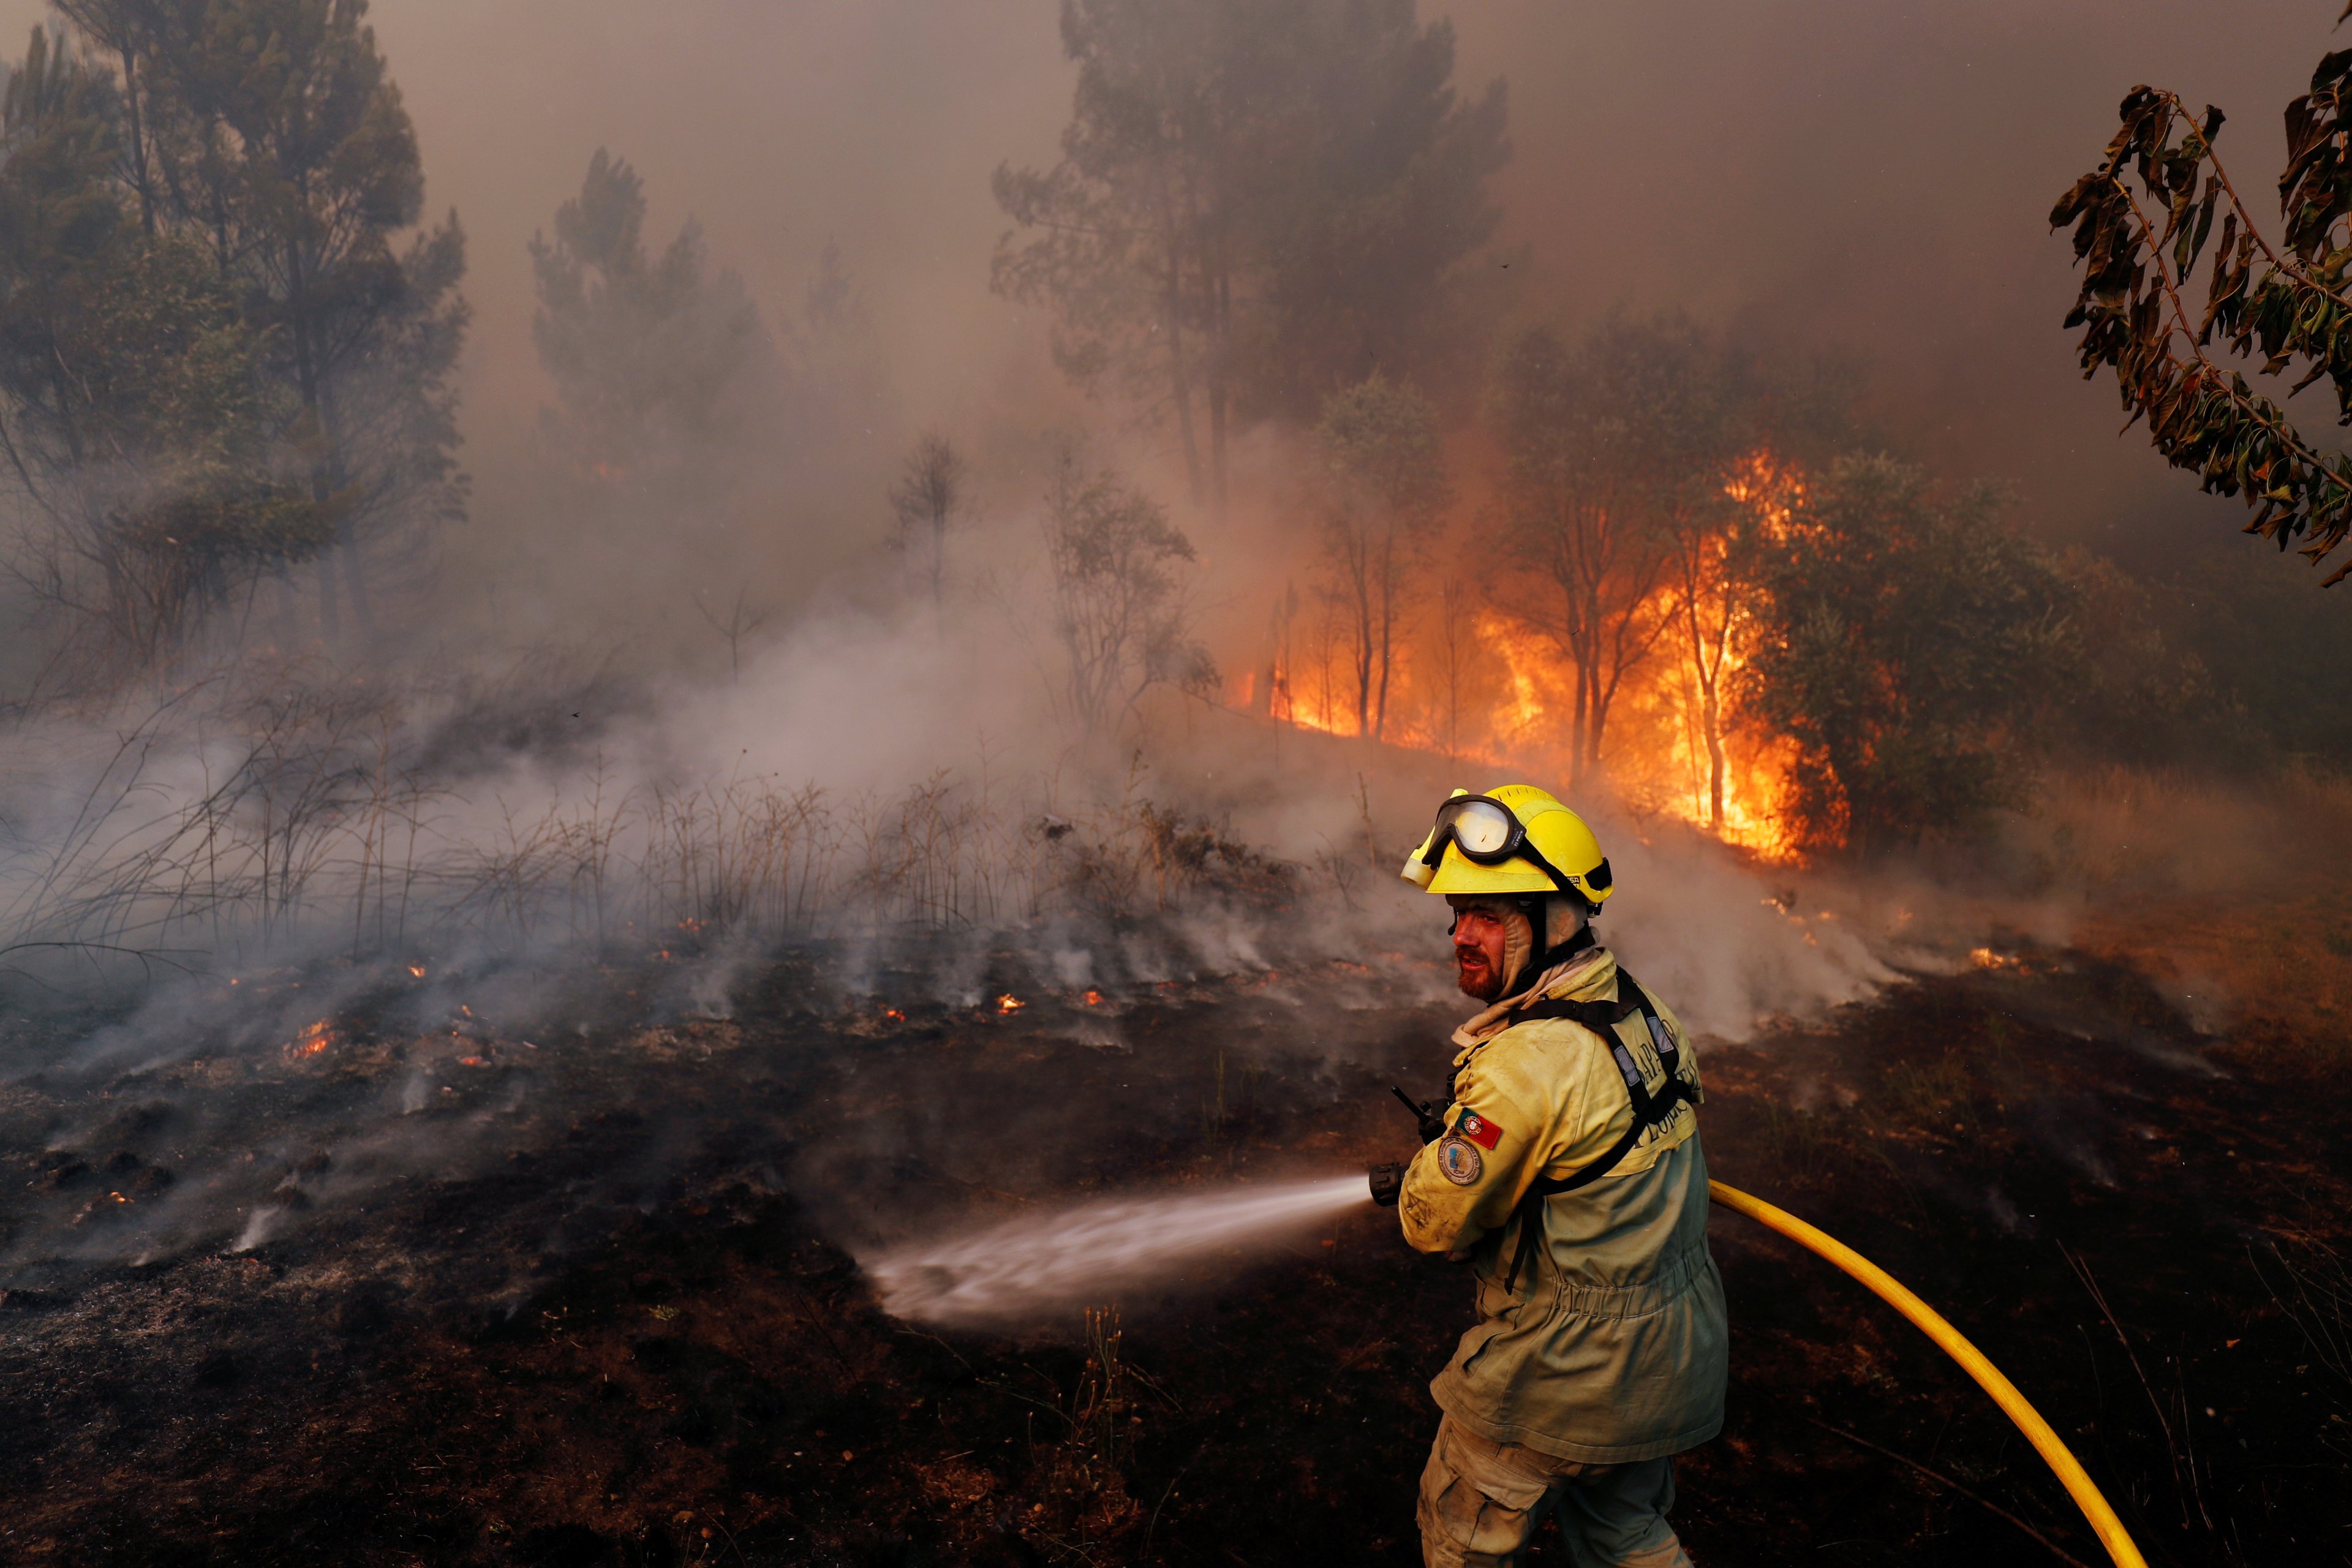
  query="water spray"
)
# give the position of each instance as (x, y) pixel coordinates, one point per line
(1039, 1262)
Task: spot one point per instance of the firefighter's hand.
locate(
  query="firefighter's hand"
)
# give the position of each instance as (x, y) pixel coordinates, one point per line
(1387, 1182)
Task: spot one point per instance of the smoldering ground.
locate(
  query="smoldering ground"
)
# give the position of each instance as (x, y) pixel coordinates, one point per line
(448, 1085)
(456, 877)
(619, 1273)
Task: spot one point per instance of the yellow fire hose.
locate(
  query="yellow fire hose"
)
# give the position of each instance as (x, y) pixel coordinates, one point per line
(2086, 1494)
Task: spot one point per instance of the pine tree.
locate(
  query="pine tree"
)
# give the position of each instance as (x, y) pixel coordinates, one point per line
(1256, 206)
(270, 131)
(652, 358)
(133, 408)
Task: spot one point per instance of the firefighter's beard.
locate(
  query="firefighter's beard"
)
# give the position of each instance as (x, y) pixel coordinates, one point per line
(1478, 972)
(1493, 941)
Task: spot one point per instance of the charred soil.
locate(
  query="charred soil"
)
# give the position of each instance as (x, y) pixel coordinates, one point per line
(618, 1319)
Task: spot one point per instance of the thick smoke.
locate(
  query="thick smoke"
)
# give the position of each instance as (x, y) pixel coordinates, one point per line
(562, 756)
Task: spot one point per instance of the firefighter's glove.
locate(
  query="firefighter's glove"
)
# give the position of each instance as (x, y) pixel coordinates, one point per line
(1387, 1182)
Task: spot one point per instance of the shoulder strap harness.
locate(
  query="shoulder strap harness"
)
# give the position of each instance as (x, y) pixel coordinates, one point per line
(1649, 1109)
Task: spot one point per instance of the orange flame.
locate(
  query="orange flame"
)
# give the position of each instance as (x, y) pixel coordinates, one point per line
(1009, 1002)
(1660, 754)
(313, 1040)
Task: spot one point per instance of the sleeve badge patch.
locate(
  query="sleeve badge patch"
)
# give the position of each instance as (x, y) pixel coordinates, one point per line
(1478, 1130)
(1458, 1159)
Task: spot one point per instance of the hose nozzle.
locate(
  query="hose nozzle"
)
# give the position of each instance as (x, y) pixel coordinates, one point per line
(1387, 1181)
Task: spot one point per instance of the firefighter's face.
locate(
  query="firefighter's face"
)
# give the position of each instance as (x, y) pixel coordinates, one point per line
(1478, 953)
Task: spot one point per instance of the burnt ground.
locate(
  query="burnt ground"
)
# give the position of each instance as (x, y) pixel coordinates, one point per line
(614, 1321)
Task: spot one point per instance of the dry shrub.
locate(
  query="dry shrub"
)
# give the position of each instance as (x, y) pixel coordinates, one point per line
(314, 816)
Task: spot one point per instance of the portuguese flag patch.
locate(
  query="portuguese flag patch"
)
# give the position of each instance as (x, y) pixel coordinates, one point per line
(1478, 1130)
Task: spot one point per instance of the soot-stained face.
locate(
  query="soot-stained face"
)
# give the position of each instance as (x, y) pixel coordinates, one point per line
(1478, 953)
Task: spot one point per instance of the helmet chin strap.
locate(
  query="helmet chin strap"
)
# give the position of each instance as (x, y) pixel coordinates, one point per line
(1564, 936)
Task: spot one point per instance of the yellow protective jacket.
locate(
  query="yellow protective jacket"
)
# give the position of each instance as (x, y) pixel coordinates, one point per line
(1614, 1347)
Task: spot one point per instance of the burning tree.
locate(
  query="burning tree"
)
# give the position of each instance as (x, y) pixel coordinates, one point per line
(1900, 638)
(1620, 454)
(1388, 488)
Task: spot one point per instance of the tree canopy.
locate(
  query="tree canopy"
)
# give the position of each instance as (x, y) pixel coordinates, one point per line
(1118, 602)
(259, 177)
(1256, 206)
(1900, 638)
(133, 408)
(1386, 487)
(650, 357)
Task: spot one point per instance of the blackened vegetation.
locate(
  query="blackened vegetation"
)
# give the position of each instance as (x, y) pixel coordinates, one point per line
(635, 1336)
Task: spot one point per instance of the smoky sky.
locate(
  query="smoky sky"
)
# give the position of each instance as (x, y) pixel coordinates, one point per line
(1854, 176)
(1876, 178)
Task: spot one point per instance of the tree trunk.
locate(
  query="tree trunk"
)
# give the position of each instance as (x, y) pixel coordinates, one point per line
(1387, 632)
(1712, 717)
(1362, 562)
(1180, 370)
(331, 626)
(354, 574)
(938, 561)
(1220, 289)
(1704, 677)
(1217, 449)
(131, 92)
(306, 376)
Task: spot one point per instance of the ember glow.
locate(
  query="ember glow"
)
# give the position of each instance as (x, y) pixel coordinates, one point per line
(1008, 1003)
(313, 1040)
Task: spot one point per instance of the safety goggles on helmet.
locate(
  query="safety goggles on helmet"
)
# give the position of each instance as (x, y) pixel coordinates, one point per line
(1486, 832)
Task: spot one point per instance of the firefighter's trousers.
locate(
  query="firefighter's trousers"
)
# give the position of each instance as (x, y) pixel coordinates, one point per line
(1481, 1501)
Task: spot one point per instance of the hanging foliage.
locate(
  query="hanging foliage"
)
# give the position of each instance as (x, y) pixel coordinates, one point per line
(2143, 220)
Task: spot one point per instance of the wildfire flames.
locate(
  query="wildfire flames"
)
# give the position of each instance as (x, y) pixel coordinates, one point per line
(1008, 1003)
(313, 1040)
(1504, 695)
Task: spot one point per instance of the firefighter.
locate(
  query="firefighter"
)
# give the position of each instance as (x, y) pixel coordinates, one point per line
(1564, 1167)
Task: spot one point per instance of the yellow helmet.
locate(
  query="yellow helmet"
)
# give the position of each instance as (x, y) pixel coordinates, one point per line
(1514, 838)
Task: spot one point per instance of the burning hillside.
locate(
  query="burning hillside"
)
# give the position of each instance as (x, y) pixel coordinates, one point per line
(1507, 690)
(699, 839)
